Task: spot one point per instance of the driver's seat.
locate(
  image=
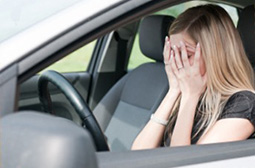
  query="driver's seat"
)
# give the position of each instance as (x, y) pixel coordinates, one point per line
(127, 107)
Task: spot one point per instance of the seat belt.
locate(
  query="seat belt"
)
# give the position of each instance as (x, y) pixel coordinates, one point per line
(121, 55)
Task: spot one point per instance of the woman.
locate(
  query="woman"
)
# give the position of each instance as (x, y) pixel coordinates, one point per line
(211, 97)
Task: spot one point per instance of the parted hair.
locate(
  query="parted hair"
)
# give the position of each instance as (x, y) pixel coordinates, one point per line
(227, 66)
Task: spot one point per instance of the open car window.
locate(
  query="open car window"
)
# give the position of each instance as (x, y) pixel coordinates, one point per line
(77, 61)
(137, 58)
(88, 85)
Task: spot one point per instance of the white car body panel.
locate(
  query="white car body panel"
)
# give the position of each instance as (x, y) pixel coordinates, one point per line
(23, 43)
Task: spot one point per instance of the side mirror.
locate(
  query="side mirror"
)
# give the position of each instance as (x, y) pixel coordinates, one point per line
(33, 139)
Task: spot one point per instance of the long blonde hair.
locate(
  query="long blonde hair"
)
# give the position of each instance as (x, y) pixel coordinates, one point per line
(227, 66)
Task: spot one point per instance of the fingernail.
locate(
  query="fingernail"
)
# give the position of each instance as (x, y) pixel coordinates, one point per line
(174, 46)
(166, 38)
(182, 44)
(198, 45)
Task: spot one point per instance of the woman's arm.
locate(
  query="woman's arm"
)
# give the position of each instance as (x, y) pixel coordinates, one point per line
(184, 123)
(236, 121)
(151, 135)
(192, 85)
(227, 130)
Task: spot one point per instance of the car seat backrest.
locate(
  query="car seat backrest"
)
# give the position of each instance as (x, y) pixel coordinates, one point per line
(152, 33)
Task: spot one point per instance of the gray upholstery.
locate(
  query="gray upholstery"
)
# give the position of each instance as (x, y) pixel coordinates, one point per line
(246, 28)
(107, 106)
(152, 35)
(127, 107)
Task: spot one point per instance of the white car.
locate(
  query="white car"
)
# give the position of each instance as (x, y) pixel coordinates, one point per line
(76, 89)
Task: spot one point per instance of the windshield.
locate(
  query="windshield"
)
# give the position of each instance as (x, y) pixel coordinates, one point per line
(18, 15)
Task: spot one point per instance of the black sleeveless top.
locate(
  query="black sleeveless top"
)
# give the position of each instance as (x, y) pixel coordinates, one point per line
(239, 105)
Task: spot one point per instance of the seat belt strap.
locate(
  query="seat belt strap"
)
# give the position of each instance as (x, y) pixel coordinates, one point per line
(121, 54)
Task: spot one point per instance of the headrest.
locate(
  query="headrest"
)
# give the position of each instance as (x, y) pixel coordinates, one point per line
(152, 32)
(246, 28)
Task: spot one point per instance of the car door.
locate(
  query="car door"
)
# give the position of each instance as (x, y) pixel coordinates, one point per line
(77, 69)
(92, 69)
(163, 157)
(230, 154)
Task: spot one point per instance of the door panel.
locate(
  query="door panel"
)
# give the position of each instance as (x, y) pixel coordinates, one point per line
(29, 100)
(76, 65)
(178, 156)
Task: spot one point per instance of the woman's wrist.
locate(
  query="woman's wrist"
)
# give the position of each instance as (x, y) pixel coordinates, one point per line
(188, 101)
(165, 108)
(188, 96)
(173, 92)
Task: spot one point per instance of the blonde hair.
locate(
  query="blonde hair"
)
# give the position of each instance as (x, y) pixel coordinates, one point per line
(227, 66)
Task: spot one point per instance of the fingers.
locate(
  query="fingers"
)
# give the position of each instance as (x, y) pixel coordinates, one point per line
(205, 78)
(170, 63)
(197, 57)
(191, 47)
(177, 58)
(173, 63)
(184, 55)
(166, 51)
(191, 50)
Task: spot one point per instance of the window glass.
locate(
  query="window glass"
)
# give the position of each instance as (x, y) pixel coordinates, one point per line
(18, 15)
(76, 61)
(137, 58)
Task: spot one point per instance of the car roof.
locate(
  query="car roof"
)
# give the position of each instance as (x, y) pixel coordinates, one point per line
(24, 42)
(58, 25)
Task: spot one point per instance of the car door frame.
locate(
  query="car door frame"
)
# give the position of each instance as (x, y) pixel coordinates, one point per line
(156, 157)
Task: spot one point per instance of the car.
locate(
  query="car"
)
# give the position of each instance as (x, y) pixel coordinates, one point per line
(76, 89)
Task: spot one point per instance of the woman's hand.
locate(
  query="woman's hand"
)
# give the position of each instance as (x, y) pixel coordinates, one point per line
(172, 80)
(191, 82)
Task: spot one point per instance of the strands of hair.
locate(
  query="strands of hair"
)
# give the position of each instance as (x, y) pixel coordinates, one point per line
(227, 66)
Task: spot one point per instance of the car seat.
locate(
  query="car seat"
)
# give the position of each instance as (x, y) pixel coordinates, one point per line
(127, 107)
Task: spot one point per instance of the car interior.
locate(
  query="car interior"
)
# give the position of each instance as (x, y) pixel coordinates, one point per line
(246, 30)
(121, 100)
(125, 109)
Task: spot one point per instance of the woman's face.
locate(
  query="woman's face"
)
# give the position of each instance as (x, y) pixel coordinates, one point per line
(175, 39)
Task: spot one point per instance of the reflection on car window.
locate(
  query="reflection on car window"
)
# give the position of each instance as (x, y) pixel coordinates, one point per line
(77, 61)
(137, 58)
(18, 15)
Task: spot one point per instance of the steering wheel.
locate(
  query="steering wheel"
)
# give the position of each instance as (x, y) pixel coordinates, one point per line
(88, 119)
